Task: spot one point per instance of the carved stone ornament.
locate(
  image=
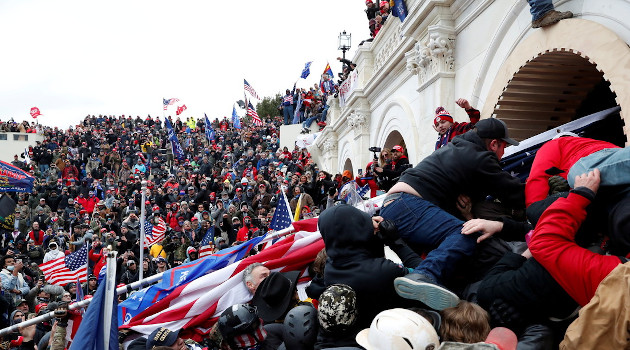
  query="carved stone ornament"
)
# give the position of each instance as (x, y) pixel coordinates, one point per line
(357, 120)
(434, 55)
(330, 145)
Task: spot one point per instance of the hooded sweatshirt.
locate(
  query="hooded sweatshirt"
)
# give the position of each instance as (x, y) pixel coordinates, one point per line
(356, 258)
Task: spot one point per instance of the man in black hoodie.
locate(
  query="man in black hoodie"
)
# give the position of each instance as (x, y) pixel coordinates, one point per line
(356, 258)
(423, 205)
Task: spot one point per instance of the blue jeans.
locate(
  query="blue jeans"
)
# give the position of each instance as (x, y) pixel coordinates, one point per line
(420, 221)
(325, 112)
(287, 113)
(613, 163)
(43, 168)
(538, 8)
(309, 121)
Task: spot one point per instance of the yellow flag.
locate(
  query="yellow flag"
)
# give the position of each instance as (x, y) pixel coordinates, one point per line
(298, 208)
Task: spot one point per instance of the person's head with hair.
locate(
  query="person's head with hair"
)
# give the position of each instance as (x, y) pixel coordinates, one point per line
(320, 263)
(253, 275)
(465, 323)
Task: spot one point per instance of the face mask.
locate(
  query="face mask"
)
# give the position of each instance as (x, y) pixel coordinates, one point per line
(42, 300)
(10, 268)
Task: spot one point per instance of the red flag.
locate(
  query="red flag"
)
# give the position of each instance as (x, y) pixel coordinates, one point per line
(35, 112)
(180, 109)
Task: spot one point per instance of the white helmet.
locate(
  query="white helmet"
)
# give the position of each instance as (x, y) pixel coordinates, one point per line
(399, 329)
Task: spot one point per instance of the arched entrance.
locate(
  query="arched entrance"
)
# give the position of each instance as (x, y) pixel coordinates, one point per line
(348, 165)
(395, 138)
(553, 89)
(560, 74)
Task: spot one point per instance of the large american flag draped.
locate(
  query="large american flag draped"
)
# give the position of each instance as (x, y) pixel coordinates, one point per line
(67, 269)
(169, 102)
(195, 306)
(252, 112)
(154, 233)
(251, 90)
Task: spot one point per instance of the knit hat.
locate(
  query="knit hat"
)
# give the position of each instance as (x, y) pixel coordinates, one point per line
(442, 114)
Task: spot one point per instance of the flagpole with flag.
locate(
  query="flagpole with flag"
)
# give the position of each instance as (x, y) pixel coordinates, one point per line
(110, 292)
(143, 212)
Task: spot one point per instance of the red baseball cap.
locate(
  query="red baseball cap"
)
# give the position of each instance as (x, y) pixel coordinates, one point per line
(398, 148)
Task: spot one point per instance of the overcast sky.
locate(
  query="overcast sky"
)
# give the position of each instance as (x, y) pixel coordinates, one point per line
(73, 58)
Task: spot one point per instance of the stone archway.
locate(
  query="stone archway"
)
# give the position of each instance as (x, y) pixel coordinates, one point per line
(348, 165)
(552, 71)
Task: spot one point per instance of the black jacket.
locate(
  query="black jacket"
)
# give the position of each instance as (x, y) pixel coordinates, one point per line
(464, 166)
(356, 258)
(526, 286)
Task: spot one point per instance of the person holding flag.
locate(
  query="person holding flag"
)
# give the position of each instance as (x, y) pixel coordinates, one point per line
(210, 135)
(236, 121)
(287, 107)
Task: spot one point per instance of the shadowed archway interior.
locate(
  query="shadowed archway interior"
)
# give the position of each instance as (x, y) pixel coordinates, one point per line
(555, 88)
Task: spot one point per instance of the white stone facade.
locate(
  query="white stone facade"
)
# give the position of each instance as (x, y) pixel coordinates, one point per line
(447, 49)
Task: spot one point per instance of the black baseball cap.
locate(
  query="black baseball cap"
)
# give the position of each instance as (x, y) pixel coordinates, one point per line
(493, 128)
(161, 337)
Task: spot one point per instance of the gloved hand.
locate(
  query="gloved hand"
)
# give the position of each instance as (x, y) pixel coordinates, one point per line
(387, 231)
(558, 184)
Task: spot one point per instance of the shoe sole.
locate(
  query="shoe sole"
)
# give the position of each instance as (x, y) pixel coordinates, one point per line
(433, 296)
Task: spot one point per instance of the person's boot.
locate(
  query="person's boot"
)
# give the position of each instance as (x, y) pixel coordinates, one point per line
(424, 289)
(550, 18)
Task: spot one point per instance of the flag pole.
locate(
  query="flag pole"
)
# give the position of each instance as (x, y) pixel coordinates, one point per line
(143, 210)
(110, 291)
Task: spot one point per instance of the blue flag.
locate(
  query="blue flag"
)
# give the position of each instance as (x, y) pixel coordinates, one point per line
(400, 9)
(181, 275)
(306, 71)
(282, 216)
(90, 333)
(236, 121)
(209, 237)
(178, 152)
(13, 179)
(210, 135)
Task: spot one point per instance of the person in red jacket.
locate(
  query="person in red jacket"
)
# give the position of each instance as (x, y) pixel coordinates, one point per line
(88, 203)
(99, 259)
(369, 179)
(36, 234)
(578, 270)
(445, 126)
(556, 157)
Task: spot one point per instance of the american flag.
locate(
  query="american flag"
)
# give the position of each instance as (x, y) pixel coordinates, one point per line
(282, 216)
(252, 112)
(154, 233)
(68, 269)
(195, 306)
(251, 90)
(168, 102)
(205, 248)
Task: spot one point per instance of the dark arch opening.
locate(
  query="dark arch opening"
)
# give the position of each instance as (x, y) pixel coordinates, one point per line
(553, 89)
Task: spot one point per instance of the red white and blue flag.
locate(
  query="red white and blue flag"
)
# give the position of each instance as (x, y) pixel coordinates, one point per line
(251, 111)
(169, 102)
(68, 269)
(154, 233)
(251, 90)
(205, 247)
(195, 306)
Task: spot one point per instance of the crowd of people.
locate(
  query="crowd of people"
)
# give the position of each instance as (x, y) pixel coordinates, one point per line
(484, 260)
(474, 243)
